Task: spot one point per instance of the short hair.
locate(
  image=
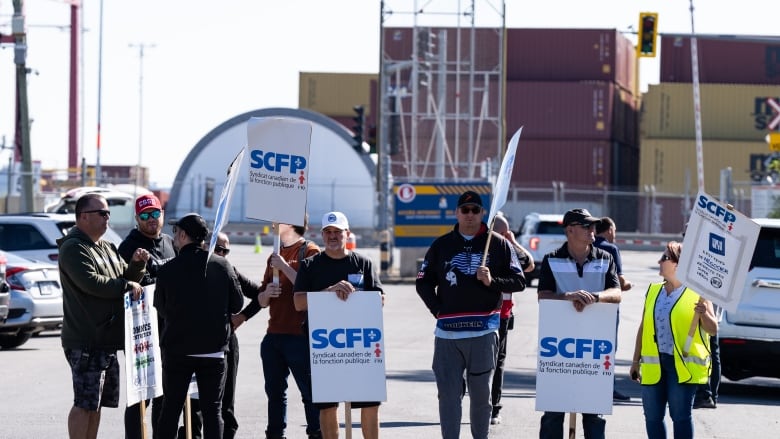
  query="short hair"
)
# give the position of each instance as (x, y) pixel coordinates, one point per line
(301, 230)
(500, 223)
(674, 249)
(85, 200)
(605, 224)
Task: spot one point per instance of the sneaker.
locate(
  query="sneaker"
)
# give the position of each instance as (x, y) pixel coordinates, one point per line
(495, 420)
(704, 403)
(617, 396)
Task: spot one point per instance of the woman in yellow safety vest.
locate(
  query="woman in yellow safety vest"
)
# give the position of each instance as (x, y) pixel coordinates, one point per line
(667, 362)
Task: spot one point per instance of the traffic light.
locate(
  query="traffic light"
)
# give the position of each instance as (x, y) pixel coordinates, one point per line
(425, 53)
(358, 127)
(648, 34)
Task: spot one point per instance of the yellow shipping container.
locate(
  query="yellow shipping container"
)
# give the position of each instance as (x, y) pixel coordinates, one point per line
(664, 163)
(335, 94)
(728, 111)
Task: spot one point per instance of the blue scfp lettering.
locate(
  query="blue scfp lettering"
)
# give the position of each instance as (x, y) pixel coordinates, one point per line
(716, 209)
(574, 347)
(275, 162)
(344, 338)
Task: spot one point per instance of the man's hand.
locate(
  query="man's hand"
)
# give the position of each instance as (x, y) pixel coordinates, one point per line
(483, 274)
(580, 299)
(342, 289)
(141, 255)
(135, 288)
(236, 320)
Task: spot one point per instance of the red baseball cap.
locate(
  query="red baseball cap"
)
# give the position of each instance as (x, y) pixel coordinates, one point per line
(146, 202)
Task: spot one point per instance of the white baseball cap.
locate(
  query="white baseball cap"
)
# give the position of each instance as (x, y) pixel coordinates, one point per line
(335, 219)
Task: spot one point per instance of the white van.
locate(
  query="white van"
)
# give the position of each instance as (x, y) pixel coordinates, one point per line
(120, 203)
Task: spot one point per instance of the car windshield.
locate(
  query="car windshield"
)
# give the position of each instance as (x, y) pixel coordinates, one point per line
(550, 228)
(767, 253)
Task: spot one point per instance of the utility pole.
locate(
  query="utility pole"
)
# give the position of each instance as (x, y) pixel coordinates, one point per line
(141, 47)
(22, 110)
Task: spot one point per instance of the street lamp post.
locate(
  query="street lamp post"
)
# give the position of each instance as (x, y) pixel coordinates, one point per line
(141, 47)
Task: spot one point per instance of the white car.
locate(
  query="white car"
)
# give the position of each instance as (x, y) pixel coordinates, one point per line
(750, 337)
(540, 234)
(36, 300)
(34, 235)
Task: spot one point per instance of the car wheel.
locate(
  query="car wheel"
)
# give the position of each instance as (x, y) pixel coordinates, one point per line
(8, 341)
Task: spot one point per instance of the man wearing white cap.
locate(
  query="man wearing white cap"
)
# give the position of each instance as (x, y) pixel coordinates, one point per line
(344, 272)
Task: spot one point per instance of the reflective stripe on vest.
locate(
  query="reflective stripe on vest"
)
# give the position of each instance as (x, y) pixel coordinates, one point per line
(693, 369)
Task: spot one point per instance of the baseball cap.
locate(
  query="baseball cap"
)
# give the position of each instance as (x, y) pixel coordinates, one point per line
(579, 216)
(470, 197)
(335, 219)
(146, 202)
(193, 225)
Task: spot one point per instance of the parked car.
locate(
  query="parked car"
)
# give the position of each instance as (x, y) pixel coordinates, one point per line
(36, 300)
(540, 234)
(5, 294)
(120, 203)
(34, 235)
(750, 337)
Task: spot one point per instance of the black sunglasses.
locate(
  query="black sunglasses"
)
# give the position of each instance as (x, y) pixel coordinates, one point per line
(665, 257)
(475, 210)
(102, 212)
(584, 226)
(221, 250)
(144, 216)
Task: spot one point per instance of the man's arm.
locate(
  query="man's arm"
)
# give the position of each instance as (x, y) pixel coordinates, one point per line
(427, 281)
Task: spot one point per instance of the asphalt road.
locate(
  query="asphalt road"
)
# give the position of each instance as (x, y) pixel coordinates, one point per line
(36, 388)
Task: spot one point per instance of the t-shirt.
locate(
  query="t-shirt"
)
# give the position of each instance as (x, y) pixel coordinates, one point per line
(321, 271)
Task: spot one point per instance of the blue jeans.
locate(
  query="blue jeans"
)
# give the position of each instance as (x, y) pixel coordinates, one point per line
(282, 354)
(593, 426)
(679, 397)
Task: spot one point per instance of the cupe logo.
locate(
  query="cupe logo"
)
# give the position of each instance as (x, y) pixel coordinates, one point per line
(345, 338)
(716, 209)
(574, 347)
(276, 162)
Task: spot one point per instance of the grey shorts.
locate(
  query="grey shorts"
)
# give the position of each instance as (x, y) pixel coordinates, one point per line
(95, 378)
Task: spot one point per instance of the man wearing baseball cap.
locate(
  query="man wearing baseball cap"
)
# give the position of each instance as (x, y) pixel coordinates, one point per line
(584, 275)
(344, 272)
(147, 235)
(195, 295)
(465, 299)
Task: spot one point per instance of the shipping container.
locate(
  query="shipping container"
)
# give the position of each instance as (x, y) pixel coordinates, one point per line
(335, 94)
(561, 110)
(722, 59)
(571, 55)
(670, 164)
(728, 111)
(578, 163)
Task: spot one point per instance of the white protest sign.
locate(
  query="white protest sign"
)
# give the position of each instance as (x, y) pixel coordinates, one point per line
(278, 169)
(717, 250)
(143, 362)
(504, 177)
(346, 347)
(576, 357)
(223, 208)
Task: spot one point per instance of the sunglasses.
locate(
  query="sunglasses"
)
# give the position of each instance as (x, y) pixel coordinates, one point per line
(144, 216)
(584, 226)
(102, 212)
(475, 210)
(221, 250)
(665, 257)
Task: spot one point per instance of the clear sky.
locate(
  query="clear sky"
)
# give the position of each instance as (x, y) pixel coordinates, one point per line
(208, 61)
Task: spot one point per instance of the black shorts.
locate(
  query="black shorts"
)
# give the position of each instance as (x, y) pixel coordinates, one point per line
(95, 378)
(355, 405)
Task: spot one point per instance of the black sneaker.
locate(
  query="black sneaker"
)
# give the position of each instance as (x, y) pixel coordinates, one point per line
(704, 403)
(617, 396)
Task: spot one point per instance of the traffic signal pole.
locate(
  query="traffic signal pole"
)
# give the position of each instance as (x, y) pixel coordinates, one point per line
(22, 109)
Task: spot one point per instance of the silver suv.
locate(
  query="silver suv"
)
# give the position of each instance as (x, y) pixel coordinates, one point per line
(34, 235)
(540, 234)
(750, 337)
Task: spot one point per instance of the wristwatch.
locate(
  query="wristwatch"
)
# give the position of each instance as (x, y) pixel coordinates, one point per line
(597, 298)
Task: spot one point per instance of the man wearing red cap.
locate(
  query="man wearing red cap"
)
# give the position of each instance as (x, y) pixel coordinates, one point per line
(148, 235)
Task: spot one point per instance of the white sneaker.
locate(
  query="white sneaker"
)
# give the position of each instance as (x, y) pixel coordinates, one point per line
(495, 420)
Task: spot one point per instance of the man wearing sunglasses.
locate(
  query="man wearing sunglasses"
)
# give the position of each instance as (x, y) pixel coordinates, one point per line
(583, 275)
(147, 235)
(465, 298)
(94, 280)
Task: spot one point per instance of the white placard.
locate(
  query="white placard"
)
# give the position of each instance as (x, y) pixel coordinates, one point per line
(347, 347)
(717, 250)
(143, 362)
(576, 357)
(278, 169)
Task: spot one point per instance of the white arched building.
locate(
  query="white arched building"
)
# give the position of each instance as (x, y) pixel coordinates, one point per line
(340, 178)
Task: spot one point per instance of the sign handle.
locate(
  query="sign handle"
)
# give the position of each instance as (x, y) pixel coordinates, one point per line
(348, 420)
(142, 408)
(487, 244)
(691, 331)
(572, 425)
(277, 249)
(188, 417)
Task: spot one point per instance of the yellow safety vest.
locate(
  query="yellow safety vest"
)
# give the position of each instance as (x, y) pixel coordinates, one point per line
(693, 369)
